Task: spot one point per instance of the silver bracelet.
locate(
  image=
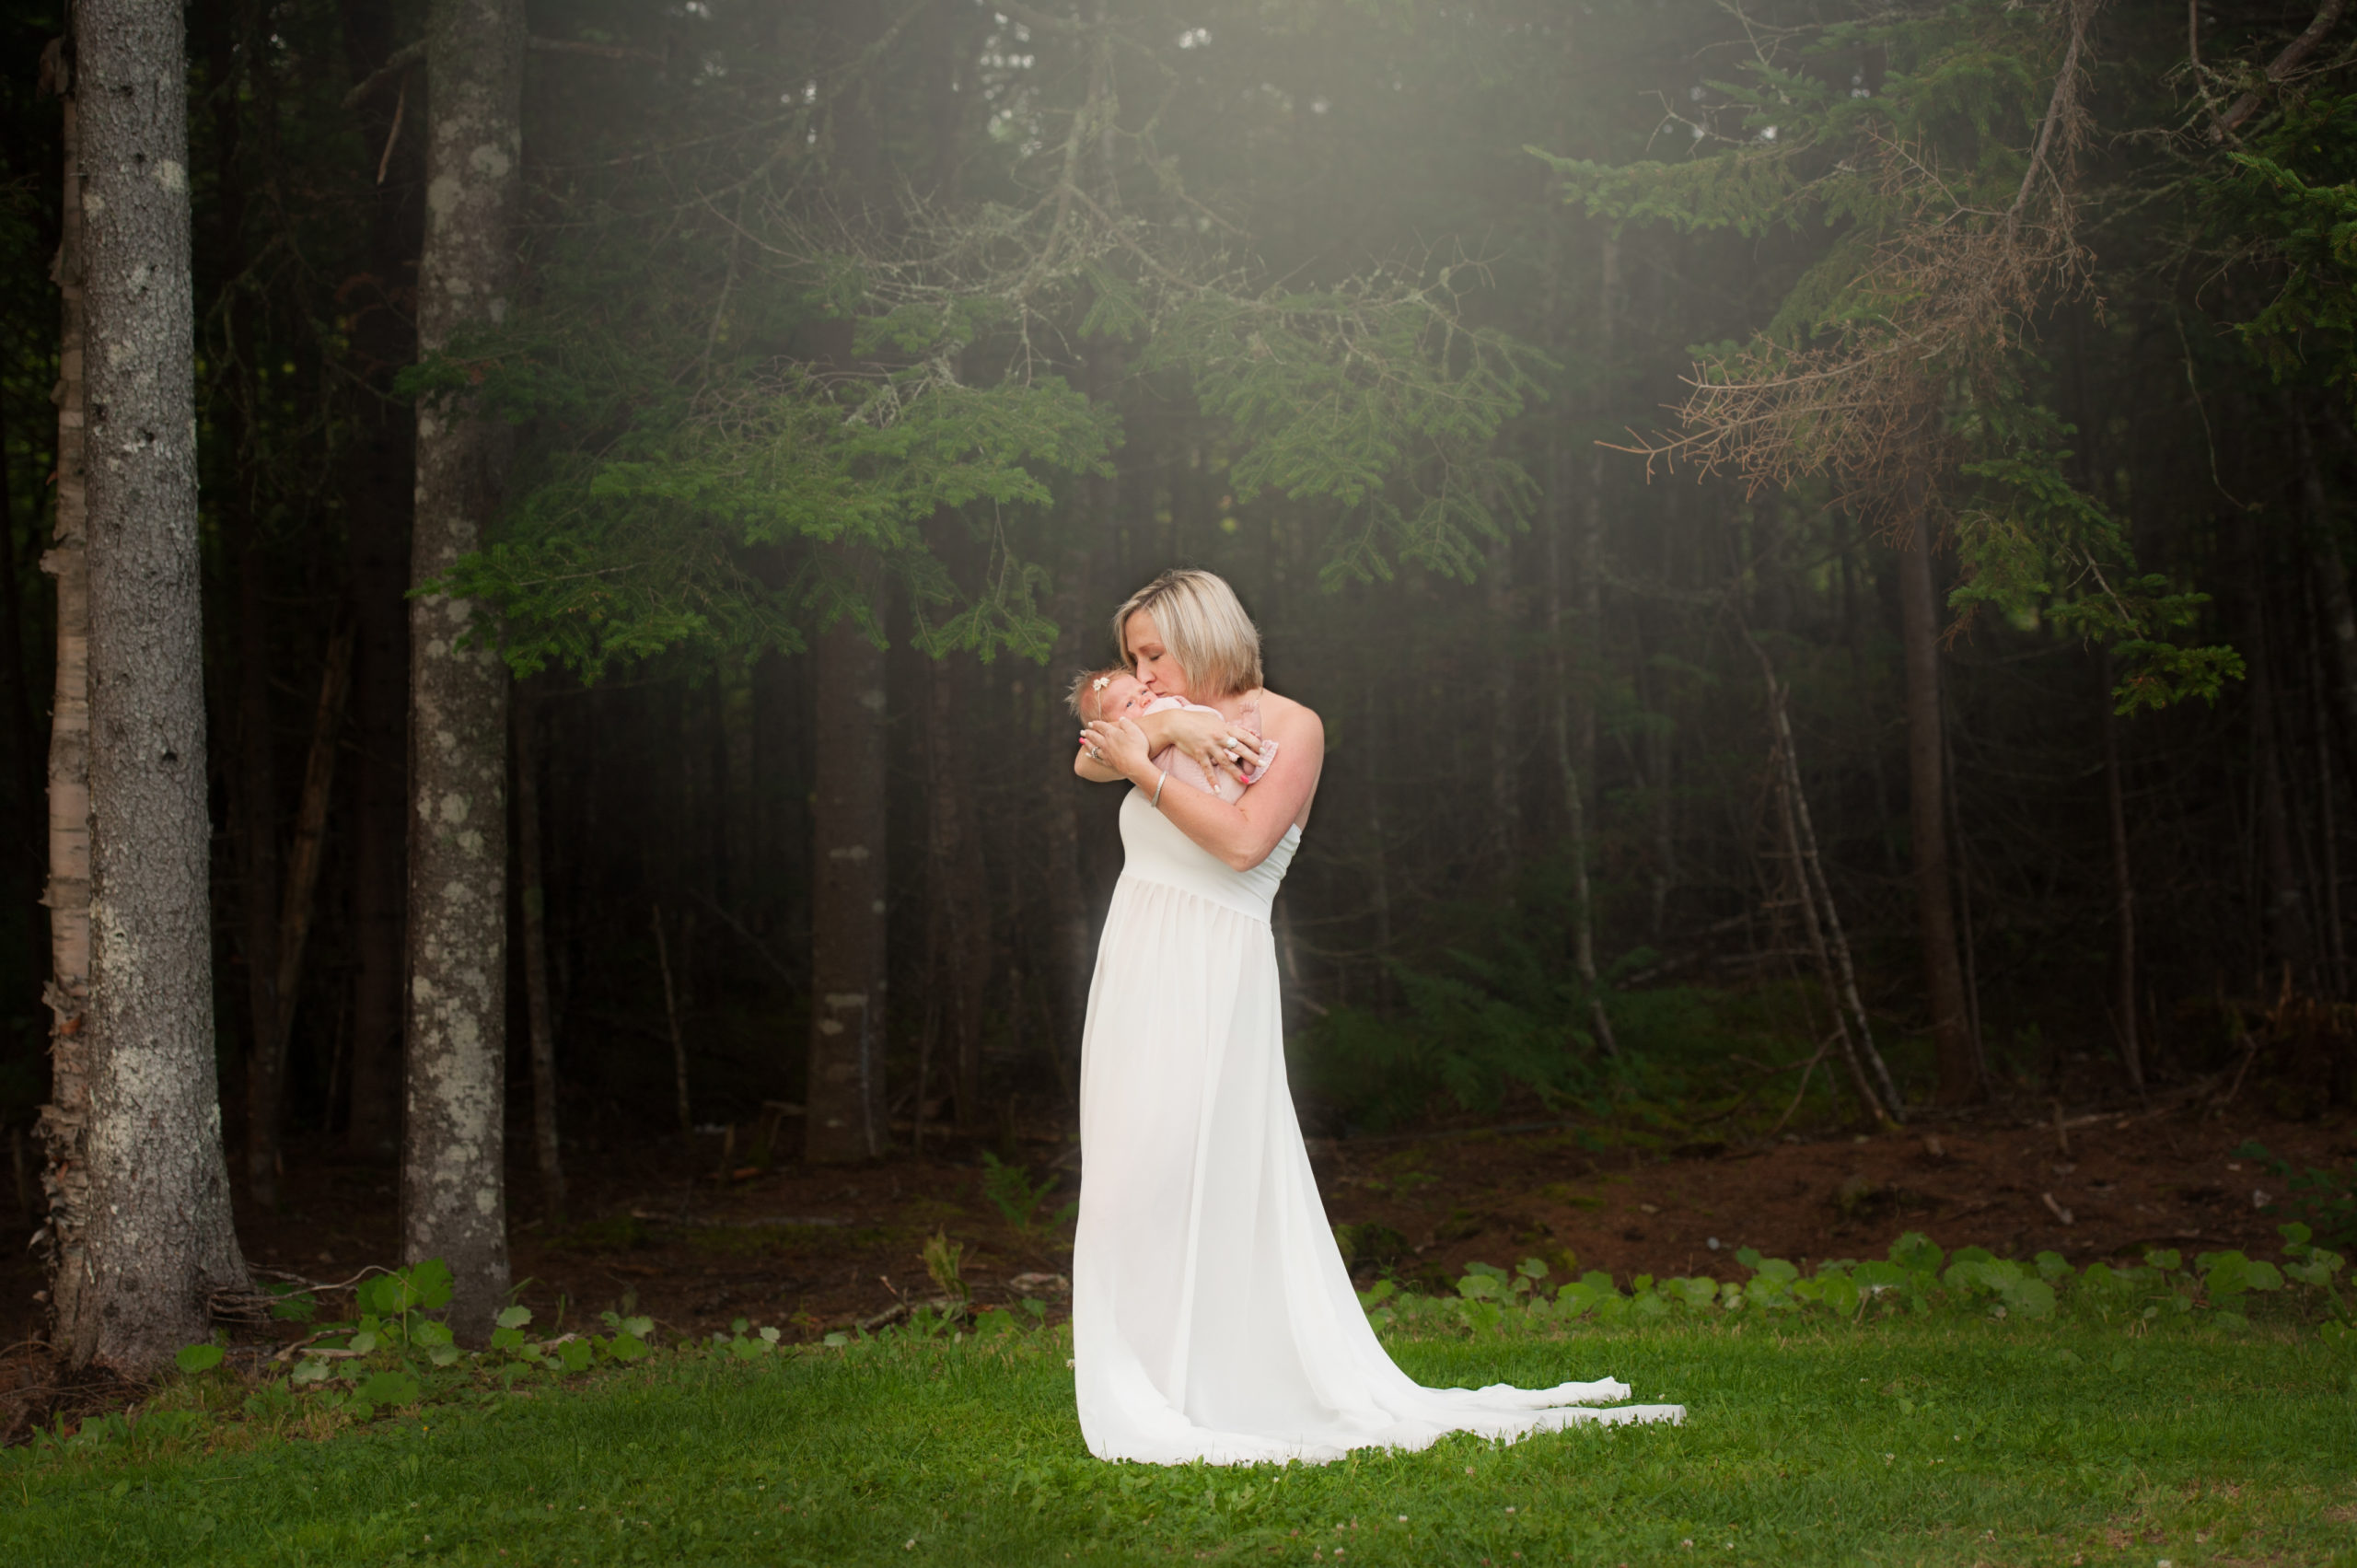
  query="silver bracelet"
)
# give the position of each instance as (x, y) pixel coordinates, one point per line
(1157, 801)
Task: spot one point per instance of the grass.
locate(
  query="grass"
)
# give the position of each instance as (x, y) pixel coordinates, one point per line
(1934, 1442)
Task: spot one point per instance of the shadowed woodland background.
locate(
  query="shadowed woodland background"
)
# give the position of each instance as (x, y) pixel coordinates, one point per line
(1553, 800)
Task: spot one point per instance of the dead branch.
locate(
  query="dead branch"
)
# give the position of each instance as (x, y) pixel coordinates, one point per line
(1950, 291)
(2328, 16)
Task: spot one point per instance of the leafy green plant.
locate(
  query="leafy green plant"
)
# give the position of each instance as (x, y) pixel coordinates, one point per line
(1916, 1278)
(2323, 1199)
(1010, 1189)
(942, 1258)
(193, 1359)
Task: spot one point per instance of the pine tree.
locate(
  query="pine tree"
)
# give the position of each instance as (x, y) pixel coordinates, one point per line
(154, 1235)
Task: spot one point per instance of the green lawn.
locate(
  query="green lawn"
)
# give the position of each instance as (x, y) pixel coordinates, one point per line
(1945, 1441)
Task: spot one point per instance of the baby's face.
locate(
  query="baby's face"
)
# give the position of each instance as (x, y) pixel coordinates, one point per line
(1125, 697)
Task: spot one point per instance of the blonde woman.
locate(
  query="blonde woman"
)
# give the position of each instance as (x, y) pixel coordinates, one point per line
(1213, 1317)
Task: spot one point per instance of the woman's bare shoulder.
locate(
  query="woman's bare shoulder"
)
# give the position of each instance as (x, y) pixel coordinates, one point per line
(1283, 718)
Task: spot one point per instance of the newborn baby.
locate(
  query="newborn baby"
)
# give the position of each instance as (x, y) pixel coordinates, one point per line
(1115, 693)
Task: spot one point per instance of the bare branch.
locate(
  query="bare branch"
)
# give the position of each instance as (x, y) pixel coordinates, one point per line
(2328, 16)
(601, 50)
(399, 60)
(2061, 109)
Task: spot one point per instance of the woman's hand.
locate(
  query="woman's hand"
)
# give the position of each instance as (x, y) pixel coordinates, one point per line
(1212, 741)
(1121, 745)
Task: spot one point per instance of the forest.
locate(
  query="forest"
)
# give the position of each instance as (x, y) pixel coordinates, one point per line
(1818, 531)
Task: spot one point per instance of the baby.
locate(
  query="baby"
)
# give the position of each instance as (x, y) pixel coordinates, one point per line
(1115, 694)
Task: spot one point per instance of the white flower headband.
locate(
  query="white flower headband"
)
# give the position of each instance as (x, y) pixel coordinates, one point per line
(1101, 683)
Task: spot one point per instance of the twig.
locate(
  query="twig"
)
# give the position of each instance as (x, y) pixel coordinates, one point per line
(750, 940)
(401, 108)
(678, 1041)
(1822, 1046)
(2250, 1054)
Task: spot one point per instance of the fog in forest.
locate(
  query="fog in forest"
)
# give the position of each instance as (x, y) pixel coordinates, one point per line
(1818, 535)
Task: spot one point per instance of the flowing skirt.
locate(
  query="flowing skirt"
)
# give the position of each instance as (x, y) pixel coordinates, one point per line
(1212, 1316)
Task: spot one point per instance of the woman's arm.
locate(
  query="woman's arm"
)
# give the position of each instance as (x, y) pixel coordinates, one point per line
(1242, 834)
(1201, 734)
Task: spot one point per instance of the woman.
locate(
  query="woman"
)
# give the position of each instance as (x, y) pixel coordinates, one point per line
(1213, 1318)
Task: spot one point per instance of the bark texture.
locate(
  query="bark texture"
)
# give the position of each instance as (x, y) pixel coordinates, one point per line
(1958, 1062)
(454, 1203)
(157, 1233)
(845, 1093)
(66, 1175)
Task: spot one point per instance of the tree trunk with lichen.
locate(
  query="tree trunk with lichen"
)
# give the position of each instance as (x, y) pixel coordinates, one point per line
(453, 1203)
(156, 1240)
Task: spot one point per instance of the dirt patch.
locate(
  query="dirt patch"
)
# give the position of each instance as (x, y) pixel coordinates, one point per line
(2121, 1184)
(811, 1250)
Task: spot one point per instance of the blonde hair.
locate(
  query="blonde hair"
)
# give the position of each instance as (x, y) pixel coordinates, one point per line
(1091, 683)
(1204, 626)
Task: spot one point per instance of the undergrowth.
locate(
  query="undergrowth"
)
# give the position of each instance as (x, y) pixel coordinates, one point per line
(1499, 1010)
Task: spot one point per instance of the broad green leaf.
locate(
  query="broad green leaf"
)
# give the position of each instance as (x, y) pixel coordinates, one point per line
(393, 1387)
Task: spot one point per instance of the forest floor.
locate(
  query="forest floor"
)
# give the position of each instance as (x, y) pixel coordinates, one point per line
(816, 1249)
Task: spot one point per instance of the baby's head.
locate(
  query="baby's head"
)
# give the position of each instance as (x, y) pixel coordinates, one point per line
(1107, 694)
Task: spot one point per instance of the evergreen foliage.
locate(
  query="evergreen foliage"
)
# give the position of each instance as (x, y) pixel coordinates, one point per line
(1896, 362)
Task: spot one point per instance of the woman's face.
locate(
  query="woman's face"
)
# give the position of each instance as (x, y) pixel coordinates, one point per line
(1157, 669)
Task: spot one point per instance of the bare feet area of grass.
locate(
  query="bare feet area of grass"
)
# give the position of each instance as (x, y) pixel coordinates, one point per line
(816, 1249)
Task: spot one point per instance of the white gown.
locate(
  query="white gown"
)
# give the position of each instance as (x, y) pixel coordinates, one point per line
(1213, 1317)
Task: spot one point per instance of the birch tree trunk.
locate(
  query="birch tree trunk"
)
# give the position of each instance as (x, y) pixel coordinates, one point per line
(453, 1203)
(1958, 1064)
(65, 1176)
(157, 1230)
(844, 1095)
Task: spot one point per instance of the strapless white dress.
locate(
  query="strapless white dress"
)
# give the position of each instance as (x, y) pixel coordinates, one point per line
(1213, 1317)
